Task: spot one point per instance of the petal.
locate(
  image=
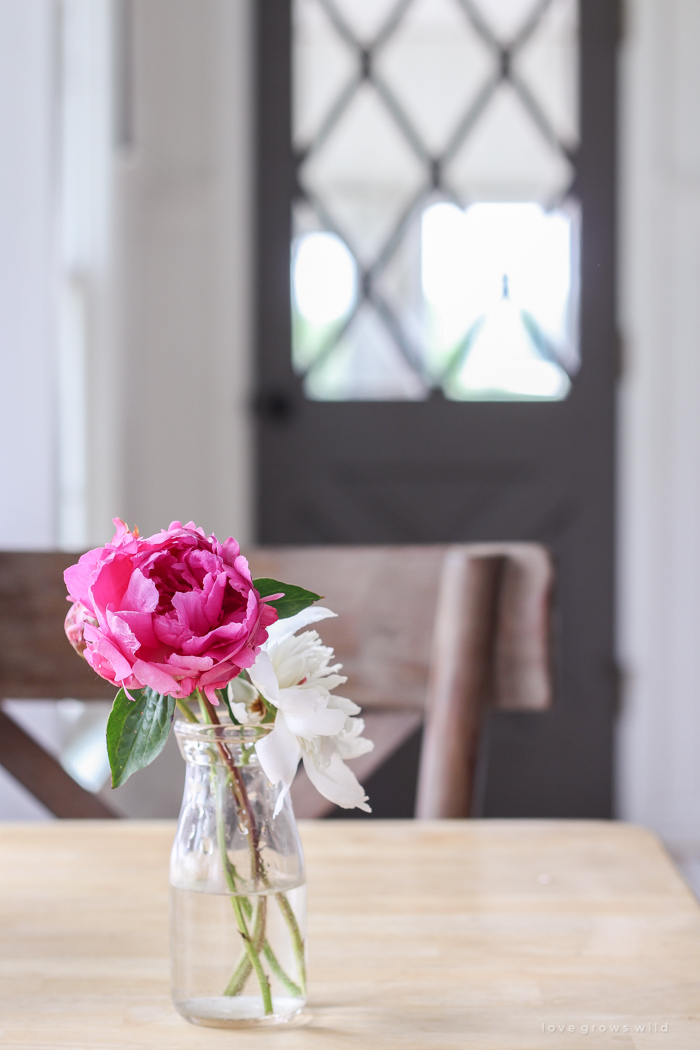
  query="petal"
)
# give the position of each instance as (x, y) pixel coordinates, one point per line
(158, 679)
(349, 707)
(336, 782)
(191, 610)
(122, 633)
(262, 675)
(79, 577)
(190, 663)
(307, 715)
(244, 716)
(282, 629)
(110, 582)
(141, 594)
(351, 743)
(215, 599)
(241, 692)
(210, 693)
(142, 626)
(279, 753)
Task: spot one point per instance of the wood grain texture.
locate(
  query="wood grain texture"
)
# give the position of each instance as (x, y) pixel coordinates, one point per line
(491, 646)
(38, 662)
(36, 659)
(386, 599)
(426, 935)
(461, 682)
(385, 636)
(45, 777)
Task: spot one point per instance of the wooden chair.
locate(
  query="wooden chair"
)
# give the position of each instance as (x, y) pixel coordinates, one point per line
(36, 662)
(428, 634)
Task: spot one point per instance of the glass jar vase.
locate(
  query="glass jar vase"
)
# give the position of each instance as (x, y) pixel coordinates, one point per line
(237, 886)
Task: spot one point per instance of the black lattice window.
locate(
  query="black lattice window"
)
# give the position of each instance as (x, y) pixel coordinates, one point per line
(435, 218)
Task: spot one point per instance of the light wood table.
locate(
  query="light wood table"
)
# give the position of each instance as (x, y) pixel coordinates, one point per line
(442, 935)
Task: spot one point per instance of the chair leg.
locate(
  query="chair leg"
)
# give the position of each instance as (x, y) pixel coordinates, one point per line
(44, 777)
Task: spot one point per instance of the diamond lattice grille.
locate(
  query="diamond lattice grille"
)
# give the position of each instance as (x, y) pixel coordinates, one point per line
(406, 114)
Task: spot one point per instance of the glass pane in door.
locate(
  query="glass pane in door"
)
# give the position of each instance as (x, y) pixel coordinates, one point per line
(435, 231)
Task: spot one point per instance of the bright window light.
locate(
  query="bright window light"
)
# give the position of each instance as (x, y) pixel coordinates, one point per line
(498, 278)
(324, 278)
(503, 359)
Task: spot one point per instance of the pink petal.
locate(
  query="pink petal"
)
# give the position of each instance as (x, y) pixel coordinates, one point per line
(190, 663)
(110, 583)
(142, 626)
(79, 577)
(211, 696)
(161, 681)
(122, 633)
(141, 594)
(116, 660)
(215, 599)
(191, 609)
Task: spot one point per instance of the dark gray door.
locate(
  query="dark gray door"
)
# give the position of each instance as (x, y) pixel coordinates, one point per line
(438, 469)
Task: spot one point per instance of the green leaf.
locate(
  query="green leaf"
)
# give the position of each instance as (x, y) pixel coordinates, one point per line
(295, 598)
(137, 731)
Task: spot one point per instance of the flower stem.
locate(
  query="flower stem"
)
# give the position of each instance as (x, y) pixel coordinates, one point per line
(253, 955)
(243, 969)
(242, 972)
(258, 941)
(187, 711)
(210, 716)
(286, 980)
(295, 933)
(251, 944)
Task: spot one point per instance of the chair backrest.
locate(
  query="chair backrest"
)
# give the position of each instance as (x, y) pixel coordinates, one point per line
(385, 598)
(422, 631)
(432, 630)
(491, 647)
(36, 662)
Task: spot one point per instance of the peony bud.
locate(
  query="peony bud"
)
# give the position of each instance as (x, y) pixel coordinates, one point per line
(74, 625)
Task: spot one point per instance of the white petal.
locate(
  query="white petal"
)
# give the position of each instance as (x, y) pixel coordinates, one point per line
(279, 753)
(353, 747)
(282, 629)
(307, 715)
(241, 692)
(331, 681)
(322, 722)
(343, 704)
(262, 675)
(336, 782)
(243, 715)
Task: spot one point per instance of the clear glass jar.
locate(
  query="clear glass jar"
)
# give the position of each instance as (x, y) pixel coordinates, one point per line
(237, 887)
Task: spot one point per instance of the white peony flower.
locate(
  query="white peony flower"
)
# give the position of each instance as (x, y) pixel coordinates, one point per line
(296, 676)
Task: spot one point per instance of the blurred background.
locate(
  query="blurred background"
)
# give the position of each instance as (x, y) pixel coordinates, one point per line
(373, 271)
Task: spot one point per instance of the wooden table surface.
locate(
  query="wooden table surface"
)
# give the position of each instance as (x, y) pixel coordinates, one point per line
(474, 934)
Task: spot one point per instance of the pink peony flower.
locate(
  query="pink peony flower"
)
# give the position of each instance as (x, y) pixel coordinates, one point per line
(176, 611)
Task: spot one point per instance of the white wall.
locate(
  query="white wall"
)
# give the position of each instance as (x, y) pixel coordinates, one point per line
(659, 742)
(155, 259)
(125, 269)
(90, 407)
(184, 190)
(27, 300)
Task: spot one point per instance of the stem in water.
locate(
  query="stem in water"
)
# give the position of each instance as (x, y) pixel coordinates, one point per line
(255, 942)
(252, 943)
(295, 933)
